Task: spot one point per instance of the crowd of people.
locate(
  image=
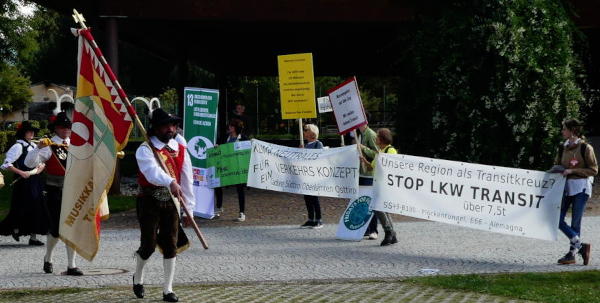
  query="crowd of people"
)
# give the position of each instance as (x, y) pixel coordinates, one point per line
(36, 201)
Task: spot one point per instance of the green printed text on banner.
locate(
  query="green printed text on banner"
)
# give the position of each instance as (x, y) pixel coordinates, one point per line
(228, 164)
(200, 131)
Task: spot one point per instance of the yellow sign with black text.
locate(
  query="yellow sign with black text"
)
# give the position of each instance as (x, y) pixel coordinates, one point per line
(297, 86)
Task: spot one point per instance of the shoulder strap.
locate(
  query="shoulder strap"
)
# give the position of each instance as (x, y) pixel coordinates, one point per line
(583, 150)
(561, 149)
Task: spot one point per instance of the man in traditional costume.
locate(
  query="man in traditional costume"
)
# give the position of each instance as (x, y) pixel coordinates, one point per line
(158, 213)
(54, 153)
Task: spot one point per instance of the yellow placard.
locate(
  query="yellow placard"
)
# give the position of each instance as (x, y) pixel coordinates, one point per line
(297, 86)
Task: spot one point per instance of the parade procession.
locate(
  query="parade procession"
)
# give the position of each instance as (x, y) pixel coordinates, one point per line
(247, 152)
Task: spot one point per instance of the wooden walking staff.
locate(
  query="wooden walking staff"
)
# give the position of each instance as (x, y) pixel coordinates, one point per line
(357, 146)
(79, 19)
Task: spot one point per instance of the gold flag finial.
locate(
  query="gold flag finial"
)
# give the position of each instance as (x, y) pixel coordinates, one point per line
(79, 18)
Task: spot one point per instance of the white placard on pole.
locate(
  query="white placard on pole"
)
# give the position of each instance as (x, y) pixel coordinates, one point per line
(347, 106)
(324, 105)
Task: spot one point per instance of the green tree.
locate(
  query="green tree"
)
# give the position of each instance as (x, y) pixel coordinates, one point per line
(491, 81)
(18, 48)
(14, 90)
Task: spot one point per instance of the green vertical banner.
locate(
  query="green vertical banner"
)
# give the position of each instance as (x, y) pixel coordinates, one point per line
(200, 131)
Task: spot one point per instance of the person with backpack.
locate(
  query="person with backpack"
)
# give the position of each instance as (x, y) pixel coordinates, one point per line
(27, 215)
(580, 166)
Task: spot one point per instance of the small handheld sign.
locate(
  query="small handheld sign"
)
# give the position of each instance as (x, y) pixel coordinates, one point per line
(347, 106)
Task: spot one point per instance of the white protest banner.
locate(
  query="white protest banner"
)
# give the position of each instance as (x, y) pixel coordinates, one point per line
(355, 219)
(505, 200)
(324, 105)
(347, 106)
(331, 172)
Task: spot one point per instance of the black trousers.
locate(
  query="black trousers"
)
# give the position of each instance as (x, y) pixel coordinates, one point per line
(54, 202)
(159, 225)
(313, 207)
(240, 193)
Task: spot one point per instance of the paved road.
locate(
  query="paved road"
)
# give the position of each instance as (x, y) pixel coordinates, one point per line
(286, 253)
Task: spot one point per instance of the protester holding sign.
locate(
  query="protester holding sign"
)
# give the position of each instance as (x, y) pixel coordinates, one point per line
(369, 150)
(234, 131)
(384, 143)
(580, 165)
(311, 134)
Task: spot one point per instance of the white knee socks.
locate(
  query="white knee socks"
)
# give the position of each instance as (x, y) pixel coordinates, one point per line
(70, 257)
(138, 277)
(50, 244)
(169, 267)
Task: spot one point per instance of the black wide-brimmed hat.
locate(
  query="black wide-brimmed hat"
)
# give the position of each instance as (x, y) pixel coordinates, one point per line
(59, 120)
(160, 117)
(24, 127)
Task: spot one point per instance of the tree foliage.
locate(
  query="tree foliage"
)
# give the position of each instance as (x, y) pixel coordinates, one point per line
(18, 49)
(491, 82)
(14, 90)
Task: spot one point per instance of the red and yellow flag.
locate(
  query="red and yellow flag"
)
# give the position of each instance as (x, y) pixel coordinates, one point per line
(101, 127)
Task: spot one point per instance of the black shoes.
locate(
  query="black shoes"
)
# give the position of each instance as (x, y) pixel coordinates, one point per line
(138, 289)
(312, 224)
(35, 242)
(15, 236)
(47, 267)
(585, 251)
(389, 238)
(569, 258)
(170, 297)
(308, 224)
(74, 272)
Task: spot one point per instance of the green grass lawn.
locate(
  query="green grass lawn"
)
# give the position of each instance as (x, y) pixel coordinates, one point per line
(562, 287)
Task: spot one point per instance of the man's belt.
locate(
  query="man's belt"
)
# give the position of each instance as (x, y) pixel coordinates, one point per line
(55, 180)
(159, 193)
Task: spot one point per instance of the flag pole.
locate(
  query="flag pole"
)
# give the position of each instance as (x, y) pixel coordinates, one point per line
(301, 132)
(79, 19)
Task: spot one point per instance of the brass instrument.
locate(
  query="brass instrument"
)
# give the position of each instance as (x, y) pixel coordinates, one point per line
(48, 142)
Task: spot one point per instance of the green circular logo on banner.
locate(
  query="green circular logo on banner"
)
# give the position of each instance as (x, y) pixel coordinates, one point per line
(358, 213)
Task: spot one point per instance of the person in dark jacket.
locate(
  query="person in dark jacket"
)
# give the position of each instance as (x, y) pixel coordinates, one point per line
(234, 134)
(27, 215)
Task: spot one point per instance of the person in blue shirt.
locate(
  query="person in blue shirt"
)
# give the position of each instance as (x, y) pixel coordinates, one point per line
(311, 134)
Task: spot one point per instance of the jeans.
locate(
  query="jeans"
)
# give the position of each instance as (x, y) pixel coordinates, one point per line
(578, 201)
